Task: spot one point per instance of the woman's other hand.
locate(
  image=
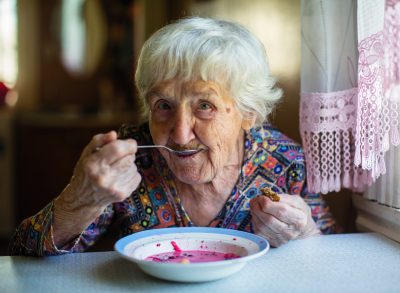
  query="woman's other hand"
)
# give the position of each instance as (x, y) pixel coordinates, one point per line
(105, 173)
(284, 220)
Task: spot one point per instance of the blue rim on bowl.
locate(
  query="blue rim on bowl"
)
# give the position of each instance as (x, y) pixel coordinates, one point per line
(131, 247)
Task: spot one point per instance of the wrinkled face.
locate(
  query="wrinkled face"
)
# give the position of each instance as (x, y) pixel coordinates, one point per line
(196, 115)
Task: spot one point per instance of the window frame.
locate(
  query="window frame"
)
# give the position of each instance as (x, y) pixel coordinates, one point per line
(375, 217)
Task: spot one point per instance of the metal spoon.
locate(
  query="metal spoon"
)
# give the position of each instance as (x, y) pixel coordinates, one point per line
(182, 153)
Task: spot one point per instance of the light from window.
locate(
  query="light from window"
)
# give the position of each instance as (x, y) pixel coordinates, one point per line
(8, 42)
(73, 35)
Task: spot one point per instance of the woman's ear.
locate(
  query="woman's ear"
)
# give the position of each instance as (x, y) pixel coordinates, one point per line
(248, 122)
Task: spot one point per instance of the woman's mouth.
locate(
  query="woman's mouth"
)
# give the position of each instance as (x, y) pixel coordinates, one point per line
(188, 154)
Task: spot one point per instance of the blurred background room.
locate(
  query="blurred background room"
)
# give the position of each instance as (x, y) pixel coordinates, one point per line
(66, 73)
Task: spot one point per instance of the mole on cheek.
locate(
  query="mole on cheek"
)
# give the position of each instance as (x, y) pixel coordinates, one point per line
(228, 110)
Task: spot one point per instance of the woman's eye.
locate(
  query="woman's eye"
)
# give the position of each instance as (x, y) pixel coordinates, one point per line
(205, 106)
(162, 105)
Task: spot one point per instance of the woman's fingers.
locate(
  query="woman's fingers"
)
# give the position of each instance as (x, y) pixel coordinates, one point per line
(113, 169)
(107, 148)
(287, 210)
(269, 221)
(116, 150)
(294, 201)
(119, 179)
(106, 171)
(280, 221)
(99, 140)
(276, 235)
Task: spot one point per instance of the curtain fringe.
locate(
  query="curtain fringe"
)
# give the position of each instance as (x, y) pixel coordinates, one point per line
(329, 168)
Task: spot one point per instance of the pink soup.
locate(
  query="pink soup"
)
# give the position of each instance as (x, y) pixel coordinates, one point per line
(190, 256)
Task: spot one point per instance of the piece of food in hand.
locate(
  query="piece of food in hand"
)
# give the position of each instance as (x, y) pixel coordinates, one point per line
(268, 192)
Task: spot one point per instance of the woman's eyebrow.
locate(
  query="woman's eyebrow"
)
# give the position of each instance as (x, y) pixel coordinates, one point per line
(200, 94)
(157, 94)
(207, 92)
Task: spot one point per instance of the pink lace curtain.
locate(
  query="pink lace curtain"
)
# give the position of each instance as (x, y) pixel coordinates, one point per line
(350, 83)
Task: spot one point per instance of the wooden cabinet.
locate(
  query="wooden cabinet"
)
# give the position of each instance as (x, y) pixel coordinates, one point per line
(6, 174)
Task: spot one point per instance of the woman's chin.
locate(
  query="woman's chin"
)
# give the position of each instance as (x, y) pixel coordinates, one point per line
(191, 177)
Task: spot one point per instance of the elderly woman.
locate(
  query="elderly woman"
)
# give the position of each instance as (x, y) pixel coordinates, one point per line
(204, 85)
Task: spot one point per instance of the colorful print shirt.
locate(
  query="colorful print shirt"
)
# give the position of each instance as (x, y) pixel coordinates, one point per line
(271, 160)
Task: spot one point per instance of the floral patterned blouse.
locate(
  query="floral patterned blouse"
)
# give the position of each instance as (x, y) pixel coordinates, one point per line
(271, 160)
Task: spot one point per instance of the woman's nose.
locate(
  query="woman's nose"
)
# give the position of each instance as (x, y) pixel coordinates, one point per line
(182, 130)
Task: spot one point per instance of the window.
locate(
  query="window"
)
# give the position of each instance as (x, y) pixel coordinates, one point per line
(8, 42)
(73, 34)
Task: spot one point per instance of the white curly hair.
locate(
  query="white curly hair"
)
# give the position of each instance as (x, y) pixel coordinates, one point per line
(211, 50)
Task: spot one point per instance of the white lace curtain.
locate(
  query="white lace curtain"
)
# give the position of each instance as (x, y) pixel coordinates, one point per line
(350, 89)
